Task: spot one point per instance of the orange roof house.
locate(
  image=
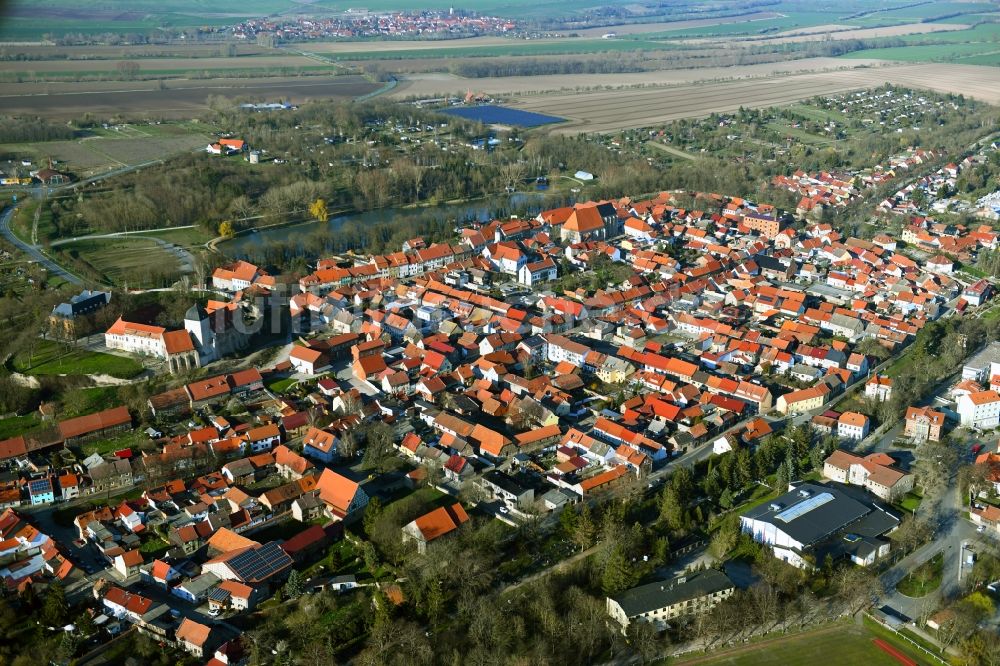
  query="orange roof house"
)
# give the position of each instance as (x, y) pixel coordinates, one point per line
(437, 523)
(193, 636)
(342, 497)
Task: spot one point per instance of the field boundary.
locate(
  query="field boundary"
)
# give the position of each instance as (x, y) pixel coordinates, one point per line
(906, 638)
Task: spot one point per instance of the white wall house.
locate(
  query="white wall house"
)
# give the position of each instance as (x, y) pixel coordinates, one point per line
(979, 410)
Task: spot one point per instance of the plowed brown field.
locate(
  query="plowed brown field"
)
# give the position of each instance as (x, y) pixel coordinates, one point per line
(610, 110)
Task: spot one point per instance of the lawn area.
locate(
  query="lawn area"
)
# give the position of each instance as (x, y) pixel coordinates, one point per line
(837, 644)
(18, 425)
(281, 385)
(108, 446)
(910, 502)
(53, 358)
(924, 579)
(154, 548)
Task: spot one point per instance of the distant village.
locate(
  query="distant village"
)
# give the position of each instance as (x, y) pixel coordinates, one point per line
(359, 23)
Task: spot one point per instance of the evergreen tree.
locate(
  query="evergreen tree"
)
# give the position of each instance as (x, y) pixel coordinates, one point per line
(55, 608)
(661, 550)
(294, 586)
(671, 508)
(618, 573)
(567, 522)
(67, 647)
(434, 601)
(782, 478)
(373, 511)
(726, 499)
(583, 535)
(791, 464)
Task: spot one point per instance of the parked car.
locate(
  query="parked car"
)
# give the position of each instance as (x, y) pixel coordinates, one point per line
(976, 448)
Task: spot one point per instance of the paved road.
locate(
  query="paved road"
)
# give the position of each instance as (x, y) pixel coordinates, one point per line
(32, 251)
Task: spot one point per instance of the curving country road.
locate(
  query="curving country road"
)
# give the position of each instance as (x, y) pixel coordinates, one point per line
(32, 251)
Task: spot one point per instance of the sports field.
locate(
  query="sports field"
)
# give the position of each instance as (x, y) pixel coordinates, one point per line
(836, 645)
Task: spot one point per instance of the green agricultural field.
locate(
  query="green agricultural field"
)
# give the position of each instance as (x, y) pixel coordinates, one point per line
(851, 645)
(977, 46)
(986, 32)
(794, 20)
(959, 53)
(935, 9)
(53, 358)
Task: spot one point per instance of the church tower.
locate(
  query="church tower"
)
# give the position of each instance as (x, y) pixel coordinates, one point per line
(197, 324)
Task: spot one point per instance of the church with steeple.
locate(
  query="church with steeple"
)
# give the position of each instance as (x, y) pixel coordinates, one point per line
(216, 333)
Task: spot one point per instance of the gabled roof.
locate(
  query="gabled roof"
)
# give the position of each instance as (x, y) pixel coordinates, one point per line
(84, 425)
(192, 632)
(336, 490)
(440, 521)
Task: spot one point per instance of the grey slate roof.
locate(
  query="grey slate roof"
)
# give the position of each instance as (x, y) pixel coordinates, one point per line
(662, 594)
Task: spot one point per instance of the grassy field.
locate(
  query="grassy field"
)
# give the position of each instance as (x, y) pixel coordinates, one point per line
(281, 385)
(839, 644)
(952, 52)
(130, 260)
(794, 20)
(53, 358)
(18, 425)
(910, 502)
(976, 46)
